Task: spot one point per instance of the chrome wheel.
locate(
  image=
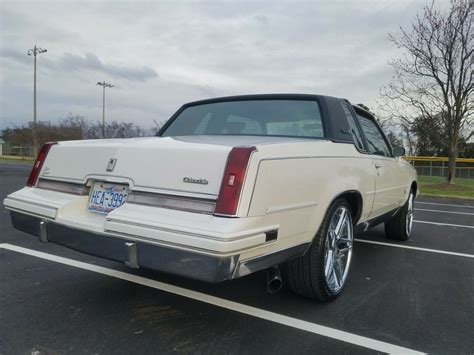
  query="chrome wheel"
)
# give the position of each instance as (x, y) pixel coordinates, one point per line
(409, 217)
(338, 249)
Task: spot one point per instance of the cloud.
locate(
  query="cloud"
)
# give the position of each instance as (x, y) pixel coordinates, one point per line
(15, 55)
(88, 61)
(262, 19)
(197, 49)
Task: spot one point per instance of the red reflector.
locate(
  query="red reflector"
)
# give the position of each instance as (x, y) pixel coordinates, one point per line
(33, 178)
(233, 179)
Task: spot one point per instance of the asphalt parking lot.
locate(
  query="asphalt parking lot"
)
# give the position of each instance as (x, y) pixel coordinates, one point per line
(401, 297)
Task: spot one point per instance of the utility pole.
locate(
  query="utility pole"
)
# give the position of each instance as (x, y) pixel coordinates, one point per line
(104, 85)
(35, 51)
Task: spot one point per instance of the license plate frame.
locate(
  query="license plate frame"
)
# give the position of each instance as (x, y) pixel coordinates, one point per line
(106, 197)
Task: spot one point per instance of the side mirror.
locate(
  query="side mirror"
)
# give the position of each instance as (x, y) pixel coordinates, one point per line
(398, 151)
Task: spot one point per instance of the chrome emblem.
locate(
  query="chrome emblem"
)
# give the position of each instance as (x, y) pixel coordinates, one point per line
(111, 164)
(195, 181)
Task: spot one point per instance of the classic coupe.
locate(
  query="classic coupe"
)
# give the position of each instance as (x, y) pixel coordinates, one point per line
(229, 186)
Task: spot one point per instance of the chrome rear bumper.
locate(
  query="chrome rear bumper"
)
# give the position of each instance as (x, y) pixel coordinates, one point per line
(187, 263)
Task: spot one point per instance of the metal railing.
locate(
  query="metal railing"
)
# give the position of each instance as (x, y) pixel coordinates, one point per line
(17, 150)
(438, 166)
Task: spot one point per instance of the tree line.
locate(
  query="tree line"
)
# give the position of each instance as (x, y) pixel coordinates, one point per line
(73, 127)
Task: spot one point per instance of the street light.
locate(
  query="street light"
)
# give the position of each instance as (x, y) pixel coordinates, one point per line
(104, 85)
(35, 51)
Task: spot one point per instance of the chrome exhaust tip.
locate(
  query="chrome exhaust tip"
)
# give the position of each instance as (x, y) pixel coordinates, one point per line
(274, 282)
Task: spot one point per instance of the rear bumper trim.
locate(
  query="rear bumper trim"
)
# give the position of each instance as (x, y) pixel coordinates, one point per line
(135, 254)
(132, 253)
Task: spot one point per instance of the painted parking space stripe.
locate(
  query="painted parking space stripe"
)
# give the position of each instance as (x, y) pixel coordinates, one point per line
(443, 204)
(444, 224)
(436, 251)
(314, 328)
(439, 211)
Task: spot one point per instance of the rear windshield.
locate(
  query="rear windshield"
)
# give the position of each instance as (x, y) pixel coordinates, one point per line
(290, 118)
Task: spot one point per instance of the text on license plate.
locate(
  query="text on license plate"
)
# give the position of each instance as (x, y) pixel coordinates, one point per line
(106, 197)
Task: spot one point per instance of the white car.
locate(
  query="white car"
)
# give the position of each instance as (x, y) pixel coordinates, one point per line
(228, 187)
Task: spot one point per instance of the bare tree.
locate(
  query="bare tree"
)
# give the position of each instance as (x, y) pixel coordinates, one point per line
(408, 139)
(75, 123)
(158, 126)
(434, 79)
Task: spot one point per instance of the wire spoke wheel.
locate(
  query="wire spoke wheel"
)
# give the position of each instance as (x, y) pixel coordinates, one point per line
(338, 249)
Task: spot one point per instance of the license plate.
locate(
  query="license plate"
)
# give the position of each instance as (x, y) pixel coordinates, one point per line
(106, 197)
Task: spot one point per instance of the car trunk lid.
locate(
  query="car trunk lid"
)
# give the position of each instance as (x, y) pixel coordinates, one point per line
(164, 164)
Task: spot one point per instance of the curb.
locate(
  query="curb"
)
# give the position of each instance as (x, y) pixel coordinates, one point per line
(468, 198)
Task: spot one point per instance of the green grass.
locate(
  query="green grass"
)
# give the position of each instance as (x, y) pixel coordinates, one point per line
(435, 185)
(12, 159)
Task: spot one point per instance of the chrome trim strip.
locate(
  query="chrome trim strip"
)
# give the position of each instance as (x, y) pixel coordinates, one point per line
(63, 179)
(205, 206)
(61, 186)
(175, 191)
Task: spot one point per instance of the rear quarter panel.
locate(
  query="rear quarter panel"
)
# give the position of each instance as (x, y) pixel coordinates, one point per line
(294, 191)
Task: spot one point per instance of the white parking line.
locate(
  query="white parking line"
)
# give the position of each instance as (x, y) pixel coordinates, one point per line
(443, 204)
(444, 224)
(439, 211)
(437, 251)
(223, 303)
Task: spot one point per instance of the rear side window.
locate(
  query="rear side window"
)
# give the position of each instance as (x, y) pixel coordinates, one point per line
(375, 141)
(355, 132)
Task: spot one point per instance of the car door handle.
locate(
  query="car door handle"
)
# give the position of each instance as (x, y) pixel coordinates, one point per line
(378, 166)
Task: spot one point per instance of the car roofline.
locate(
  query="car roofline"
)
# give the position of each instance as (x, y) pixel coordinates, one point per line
(279, 96)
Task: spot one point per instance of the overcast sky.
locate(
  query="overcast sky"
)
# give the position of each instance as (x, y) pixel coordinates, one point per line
(160, 55)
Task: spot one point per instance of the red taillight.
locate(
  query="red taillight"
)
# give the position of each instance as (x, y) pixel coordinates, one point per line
(33, 179)
(233, 180)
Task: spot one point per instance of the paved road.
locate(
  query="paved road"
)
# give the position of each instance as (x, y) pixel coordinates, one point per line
(419, 298)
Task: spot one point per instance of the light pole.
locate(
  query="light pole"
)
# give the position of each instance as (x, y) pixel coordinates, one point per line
(104, 85)
(35, 51)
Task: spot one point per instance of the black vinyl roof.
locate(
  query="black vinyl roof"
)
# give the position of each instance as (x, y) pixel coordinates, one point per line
(335, 122)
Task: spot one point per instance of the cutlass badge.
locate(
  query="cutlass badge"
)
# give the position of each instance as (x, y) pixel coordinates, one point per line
(195, 181)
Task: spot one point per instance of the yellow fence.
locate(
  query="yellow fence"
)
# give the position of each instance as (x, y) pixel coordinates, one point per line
(438, 166)
(458, 160)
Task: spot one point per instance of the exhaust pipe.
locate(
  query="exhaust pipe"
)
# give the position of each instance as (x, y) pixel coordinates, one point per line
(274, 282)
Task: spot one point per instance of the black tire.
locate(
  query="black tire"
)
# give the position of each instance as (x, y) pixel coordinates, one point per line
(305, 275)
(398, 227)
